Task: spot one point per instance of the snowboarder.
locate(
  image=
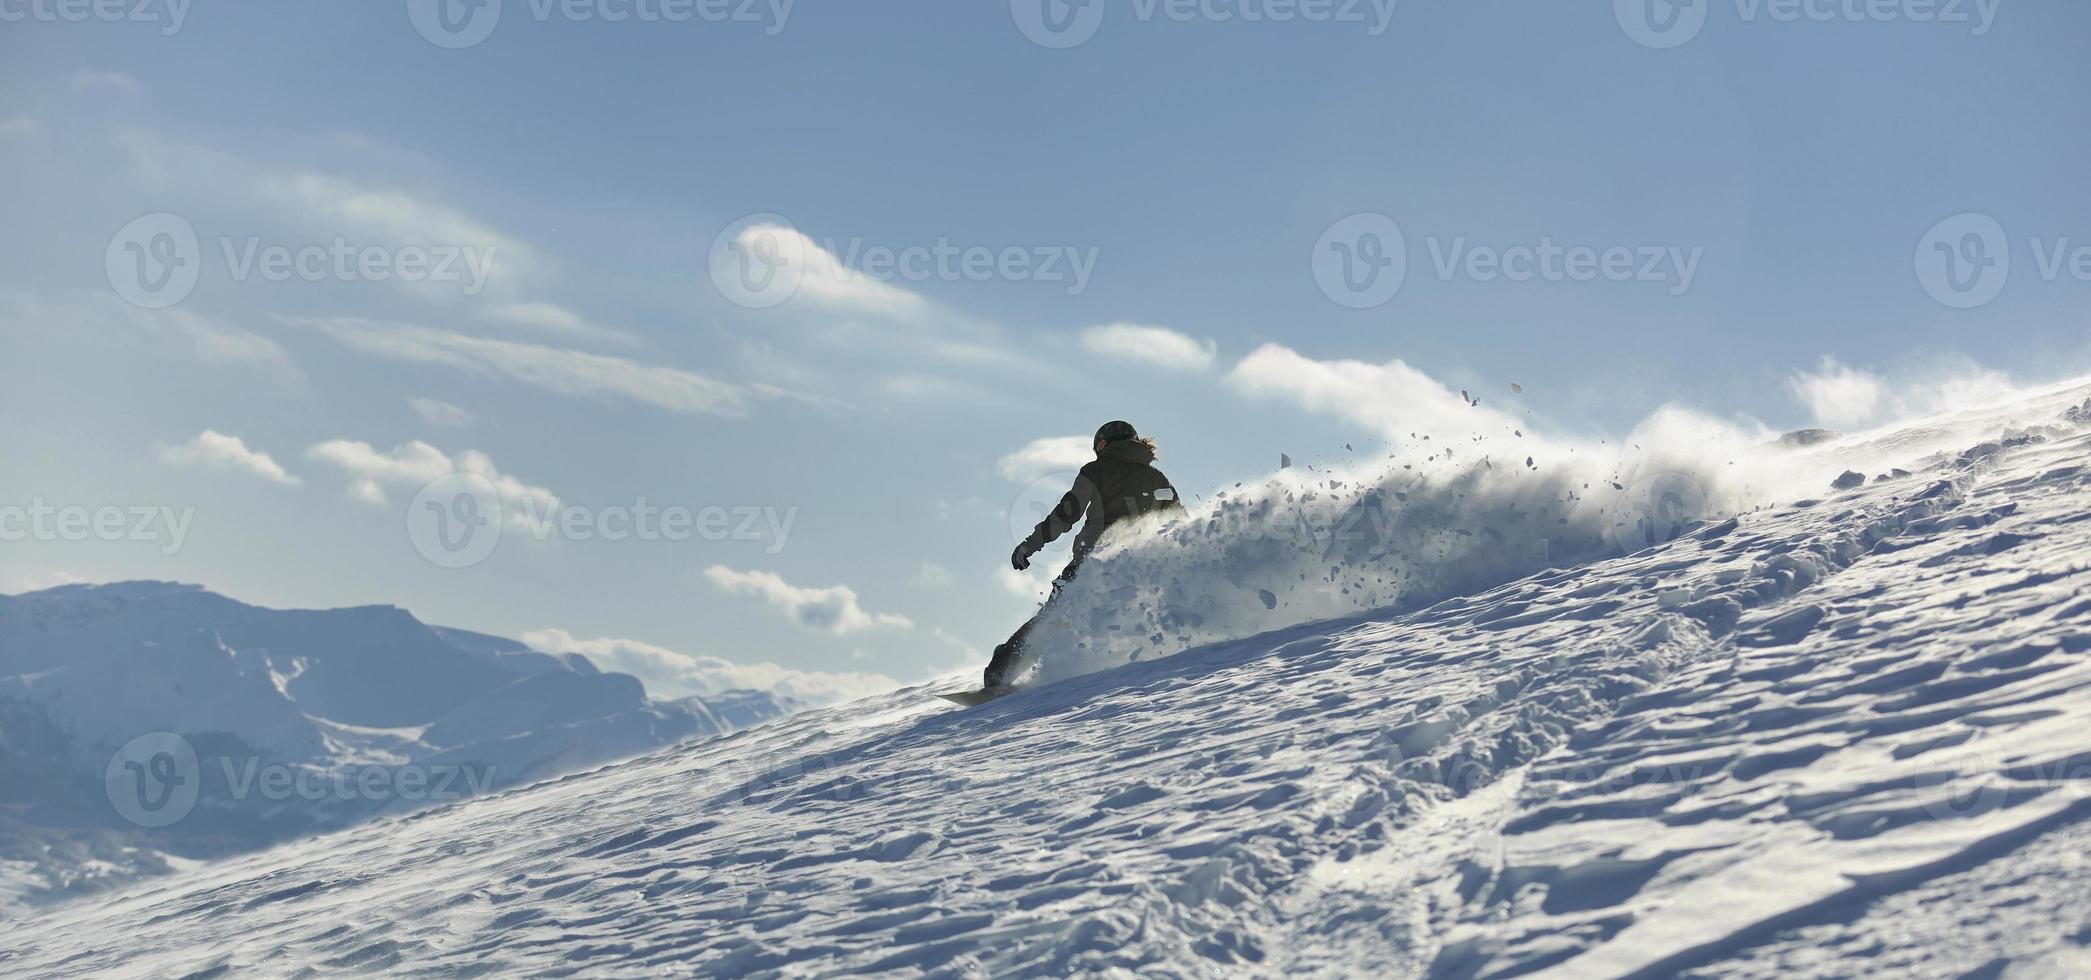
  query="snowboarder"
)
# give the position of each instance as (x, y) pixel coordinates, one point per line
(1120, 483)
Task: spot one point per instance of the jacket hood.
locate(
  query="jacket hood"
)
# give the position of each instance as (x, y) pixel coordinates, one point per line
(1129, 450)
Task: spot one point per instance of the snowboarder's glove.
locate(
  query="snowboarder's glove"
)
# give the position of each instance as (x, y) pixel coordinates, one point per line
(1020, 559)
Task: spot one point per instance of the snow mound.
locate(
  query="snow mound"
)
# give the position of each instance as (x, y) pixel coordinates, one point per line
(1840, 737)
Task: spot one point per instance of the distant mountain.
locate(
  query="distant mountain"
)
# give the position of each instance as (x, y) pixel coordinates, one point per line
(272, 724)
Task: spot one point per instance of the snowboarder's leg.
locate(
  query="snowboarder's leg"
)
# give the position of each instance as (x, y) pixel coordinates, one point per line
(1004, 662)
(1002, 667)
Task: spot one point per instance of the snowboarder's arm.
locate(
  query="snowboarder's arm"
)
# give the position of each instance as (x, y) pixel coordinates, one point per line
(1066, 514)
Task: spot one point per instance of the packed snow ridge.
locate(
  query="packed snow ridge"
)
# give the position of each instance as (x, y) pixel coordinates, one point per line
(1826, 735)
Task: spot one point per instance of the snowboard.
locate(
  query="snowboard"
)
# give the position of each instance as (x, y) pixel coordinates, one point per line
(982, 696)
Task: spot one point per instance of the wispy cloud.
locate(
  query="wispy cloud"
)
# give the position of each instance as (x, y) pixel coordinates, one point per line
(215, 450)
(442, 414)
(96, 80)
(672, 674)
(834, 608)
(218, 342)
(1158, 346)
(553, 319)
(398, 219)
(555, 369)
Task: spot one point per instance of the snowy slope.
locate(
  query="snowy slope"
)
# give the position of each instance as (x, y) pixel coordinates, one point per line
(1823, 738)
(322, 694)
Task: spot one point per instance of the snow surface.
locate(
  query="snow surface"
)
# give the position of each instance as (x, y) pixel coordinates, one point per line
(1821, 737)
(326, 693)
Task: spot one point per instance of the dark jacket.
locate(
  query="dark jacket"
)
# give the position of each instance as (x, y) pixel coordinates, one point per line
(1120, 483)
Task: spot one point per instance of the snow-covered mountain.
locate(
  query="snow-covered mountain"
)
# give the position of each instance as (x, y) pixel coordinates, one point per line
(1846, 734)
(310, 698)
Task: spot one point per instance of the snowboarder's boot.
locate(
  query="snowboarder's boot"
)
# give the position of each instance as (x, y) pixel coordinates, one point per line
(1000, 667)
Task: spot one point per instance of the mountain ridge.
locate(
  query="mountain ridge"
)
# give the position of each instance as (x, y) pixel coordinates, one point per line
(85, 670)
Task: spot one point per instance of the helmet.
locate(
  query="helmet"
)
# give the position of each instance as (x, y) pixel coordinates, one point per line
(1116, 432)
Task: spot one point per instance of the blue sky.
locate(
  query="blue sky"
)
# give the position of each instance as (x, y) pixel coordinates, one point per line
(1800, 169)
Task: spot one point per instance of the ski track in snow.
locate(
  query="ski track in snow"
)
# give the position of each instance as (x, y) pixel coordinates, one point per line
(1838, 737)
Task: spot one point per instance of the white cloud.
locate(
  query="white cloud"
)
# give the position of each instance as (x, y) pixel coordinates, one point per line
(367, 492)
(1837, 395)
(416, 464)
(1054, 454)
(1159, 346)
(1393, 399)
(442, 414)
(668, 673)
(834, 608)
(21, 127)
(552, 319)
(215, 450)
(555, 369)
(825, 278)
